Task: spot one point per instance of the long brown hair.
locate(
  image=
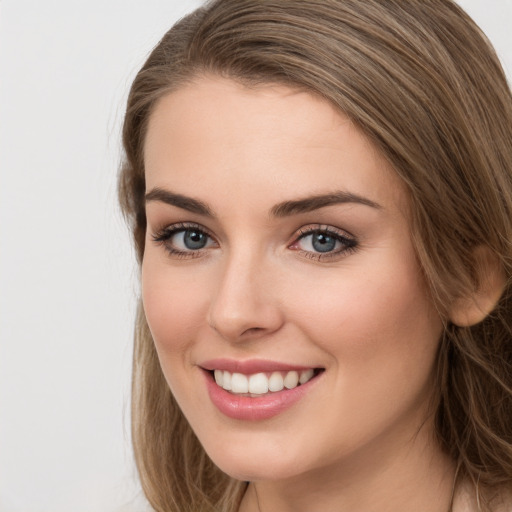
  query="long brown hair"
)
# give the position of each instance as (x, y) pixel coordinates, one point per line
(423, 83)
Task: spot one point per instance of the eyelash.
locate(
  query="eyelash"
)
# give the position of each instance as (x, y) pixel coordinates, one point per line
(164, 236)
(348, 242)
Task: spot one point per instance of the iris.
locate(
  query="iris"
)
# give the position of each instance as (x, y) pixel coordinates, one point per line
(322, 242)
(194, 240)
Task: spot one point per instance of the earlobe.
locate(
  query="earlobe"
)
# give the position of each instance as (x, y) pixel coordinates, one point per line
(490, 283)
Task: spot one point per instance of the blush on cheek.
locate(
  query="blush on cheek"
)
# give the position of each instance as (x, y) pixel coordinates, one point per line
(371, 322)
(172, 315)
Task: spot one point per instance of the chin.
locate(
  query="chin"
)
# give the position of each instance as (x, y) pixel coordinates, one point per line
(257, 464)
(256, 471)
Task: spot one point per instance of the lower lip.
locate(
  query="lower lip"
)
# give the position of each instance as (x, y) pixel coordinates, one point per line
(258, 408)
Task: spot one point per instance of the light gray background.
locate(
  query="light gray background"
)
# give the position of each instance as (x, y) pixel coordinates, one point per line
(67, 279)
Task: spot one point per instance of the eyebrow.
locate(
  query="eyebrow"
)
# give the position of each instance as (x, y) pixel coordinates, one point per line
(181, 201)
(284, 209)
(316, 202)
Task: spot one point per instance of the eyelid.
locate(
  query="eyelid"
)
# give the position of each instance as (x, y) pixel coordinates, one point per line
(163, 235)
(168, 229)
(314, 228)
(348, 241)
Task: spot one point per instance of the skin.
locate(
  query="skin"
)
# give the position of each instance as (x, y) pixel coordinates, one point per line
(361, 438)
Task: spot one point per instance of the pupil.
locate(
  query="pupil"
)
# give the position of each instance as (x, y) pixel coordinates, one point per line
(194, 239)
(323, 243)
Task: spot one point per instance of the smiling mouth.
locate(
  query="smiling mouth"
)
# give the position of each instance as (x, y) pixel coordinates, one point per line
(259, 384)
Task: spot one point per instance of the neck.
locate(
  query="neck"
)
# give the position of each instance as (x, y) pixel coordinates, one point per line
(416, 476)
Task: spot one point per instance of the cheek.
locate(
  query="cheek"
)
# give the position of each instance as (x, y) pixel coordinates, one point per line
(378, 325)
(381, 335)
(175, 311)
(174, 306)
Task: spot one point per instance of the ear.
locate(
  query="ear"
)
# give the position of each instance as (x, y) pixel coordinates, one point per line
(490, 283)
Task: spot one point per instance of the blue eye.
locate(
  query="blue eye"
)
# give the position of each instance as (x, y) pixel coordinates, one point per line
(318, 243)
(191, 239)
(322, 242)
(184, 240)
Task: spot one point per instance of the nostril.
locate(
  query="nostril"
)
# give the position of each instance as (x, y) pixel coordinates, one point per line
(253, 330)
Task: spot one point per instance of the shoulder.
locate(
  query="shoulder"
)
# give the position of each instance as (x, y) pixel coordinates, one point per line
(502, 502)
(467, 500)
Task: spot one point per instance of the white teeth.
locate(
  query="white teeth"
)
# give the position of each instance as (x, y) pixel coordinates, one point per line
(258, 384)
(239, 383)
(219, 377)
(291, 380)
(226, 381)
(305, 376)
(261, 383)
(275, 383)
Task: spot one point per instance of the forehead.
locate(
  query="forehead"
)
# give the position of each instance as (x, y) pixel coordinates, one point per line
(217, 136)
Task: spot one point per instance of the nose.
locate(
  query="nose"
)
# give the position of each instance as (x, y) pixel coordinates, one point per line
(245, 304)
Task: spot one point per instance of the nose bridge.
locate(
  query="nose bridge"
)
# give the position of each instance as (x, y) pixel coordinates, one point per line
(243, 303)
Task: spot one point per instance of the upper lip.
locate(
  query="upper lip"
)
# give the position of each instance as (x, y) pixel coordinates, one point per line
(251, 366)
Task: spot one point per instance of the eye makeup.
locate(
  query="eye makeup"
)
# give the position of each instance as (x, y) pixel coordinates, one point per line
(184, 240)
(317, 242)
(323, 242)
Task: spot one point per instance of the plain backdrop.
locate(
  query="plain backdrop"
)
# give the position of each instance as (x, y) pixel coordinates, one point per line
(68, 282)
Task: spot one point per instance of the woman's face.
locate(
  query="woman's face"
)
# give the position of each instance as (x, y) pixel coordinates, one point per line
(278, 248)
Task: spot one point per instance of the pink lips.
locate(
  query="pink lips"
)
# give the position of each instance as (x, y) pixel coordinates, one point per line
(253, 408)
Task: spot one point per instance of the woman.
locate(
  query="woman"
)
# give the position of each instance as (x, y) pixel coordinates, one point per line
(321, 202)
